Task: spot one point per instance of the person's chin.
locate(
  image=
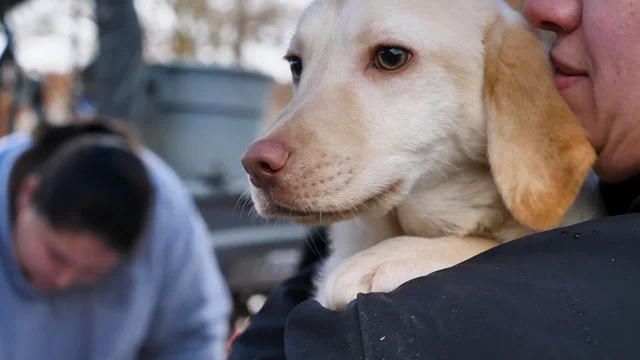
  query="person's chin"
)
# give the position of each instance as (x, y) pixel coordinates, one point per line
(575, 91)
(578, 94)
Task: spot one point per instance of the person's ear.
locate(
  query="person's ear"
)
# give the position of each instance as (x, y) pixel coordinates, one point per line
(26, 191)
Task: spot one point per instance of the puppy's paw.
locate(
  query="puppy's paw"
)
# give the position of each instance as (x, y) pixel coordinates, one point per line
(393, 262)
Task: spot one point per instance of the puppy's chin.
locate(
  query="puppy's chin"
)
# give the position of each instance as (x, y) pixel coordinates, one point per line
(329, 209)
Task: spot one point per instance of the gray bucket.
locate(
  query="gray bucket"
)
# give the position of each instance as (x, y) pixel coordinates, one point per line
(201, 119)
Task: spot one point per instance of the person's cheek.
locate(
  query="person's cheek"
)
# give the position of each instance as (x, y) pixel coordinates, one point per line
(581, 100)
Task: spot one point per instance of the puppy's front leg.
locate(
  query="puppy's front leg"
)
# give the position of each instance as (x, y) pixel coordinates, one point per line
(391, 263)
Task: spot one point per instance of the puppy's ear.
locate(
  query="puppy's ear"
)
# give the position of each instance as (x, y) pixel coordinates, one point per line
(538, 151)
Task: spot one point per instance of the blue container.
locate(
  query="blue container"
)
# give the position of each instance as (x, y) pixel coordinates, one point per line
(200, 119)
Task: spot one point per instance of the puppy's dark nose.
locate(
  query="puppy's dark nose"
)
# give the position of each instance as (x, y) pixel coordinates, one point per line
(262, 160)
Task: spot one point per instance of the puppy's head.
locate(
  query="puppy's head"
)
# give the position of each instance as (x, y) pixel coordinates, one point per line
(390, 93)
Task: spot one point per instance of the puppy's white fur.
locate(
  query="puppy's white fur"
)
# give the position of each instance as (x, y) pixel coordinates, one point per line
(467, 146)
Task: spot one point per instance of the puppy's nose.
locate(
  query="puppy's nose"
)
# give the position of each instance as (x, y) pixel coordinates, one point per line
(262, 160)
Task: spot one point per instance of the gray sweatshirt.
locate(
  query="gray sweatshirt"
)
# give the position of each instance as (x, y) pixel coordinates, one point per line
(169, 302)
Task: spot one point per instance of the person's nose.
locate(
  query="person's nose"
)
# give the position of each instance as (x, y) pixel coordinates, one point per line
(262, 160)
(558, 16)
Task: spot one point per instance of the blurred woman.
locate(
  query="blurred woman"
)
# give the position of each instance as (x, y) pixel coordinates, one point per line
(103, 253)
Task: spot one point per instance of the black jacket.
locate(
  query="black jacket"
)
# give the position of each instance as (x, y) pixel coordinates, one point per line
(570, 293)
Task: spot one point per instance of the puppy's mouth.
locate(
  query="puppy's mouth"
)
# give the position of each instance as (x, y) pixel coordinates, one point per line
(310, 215)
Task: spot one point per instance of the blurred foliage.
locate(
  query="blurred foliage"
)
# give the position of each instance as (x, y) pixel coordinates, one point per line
(228, 24)
(182, 43)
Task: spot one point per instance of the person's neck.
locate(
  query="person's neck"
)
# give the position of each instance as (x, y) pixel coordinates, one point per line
(619, 160)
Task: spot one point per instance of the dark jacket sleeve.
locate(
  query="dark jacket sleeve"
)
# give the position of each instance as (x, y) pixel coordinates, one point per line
(570, 293)
(264, 337)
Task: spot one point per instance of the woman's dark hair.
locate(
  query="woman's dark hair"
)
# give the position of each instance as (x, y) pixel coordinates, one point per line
(91, 178)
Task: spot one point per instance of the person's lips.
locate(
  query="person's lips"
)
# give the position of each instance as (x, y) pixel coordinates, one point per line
(565, 75)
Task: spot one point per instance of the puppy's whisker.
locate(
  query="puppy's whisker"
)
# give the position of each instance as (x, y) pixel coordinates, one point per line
(250, 204)
(352, 208)
(337, 207)
(311, 244)
(323, 238)
(384, 204)
(244, 198)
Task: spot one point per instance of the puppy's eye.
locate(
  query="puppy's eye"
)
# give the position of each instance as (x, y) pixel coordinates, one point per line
(391, 58)
(295, 63)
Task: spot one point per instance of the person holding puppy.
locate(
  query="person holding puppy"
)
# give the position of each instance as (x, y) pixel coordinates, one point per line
(568, 293)
(103, 254)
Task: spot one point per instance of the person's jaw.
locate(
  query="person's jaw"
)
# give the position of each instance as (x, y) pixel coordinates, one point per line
(619, 159)
(616, 141)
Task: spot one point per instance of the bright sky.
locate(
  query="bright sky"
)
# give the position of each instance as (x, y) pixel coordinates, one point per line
(46, 31)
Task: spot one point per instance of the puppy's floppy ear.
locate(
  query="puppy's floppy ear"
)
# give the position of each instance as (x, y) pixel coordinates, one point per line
(538, 151)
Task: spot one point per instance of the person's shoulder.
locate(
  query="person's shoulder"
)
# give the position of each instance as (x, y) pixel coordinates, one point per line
(174, 215)
(14, 142)
(512, 301)
(171, 191)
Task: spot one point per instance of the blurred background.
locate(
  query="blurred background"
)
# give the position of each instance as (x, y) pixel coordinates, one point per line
(195, 78)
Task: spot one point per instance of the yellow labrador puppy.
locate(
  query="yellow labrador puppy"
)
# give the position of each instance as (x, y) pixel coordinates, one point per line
(424, 132)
